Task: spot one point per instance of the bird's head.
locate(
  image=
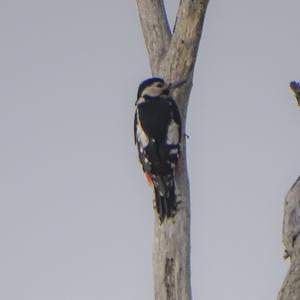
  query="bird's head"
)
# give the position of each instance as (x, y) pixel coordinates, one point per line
(155, 87)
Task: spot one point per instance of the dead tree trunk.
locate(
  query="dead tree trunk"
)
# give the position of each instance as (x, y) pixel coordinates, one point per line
(290, 289)
(172, 57)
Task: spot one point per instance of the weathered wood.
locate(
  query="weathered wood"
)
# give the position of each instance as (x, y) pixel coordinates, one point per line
(173, 57)
(290, 289)
(156, 30)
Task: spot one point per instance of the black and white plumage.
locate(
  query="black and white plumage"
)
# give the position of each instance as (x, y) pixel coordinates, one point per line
(157, 133)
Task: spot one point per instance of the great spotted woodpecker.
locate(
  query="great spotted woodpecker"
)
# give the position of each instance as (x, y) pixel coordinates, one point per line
(157, 134)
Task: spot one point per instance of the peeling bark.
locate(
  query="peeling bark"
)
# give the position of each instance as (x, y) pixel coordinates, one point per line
(172, 57)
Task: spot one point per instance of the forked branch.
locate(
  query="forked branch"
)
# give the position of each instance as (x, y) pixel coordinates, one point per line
(183, 44)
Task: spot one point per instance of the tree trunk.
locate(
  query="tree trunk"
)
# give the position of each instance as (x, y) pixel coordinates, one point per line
(290, 289)
(172, 57)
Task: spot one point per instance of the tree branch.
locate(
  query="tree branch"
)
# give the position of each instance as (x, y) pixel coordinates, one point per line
(291, 238)
(295, 87)
(187, 34)
(155, 28)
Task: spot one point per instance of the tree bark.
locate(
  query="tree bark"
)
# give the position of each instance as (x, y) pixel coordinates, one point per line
(290, 289)
(172, 57)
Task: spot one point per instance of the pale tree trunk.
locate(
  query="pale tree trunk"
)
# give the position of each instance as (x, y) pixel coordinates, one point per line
(172, 57)
(290, 289)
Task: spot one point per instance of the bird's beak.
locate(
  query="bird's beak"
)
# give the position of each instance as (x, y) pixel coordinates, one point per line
(176, 84)
(171, 86)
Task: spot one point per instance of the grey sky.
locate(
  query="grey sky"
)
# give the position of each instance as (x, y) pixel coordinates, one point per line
(75, 210)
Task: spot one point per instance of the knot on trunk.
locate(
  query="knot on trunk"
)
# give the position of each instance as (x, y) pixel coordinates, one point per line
(169, 278)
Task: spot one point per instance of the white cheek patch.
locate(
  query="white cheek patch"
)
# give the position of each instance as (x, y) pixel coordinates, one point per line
(152, 91)
(173, 134)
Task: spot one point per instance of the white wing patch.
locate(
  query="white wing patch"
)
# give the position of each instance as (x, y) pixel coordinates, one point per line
(140, 134)
(173, 133)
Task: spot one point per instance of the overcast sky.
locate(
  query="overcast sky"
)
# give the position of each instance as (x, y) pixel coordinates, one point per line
(76, 217)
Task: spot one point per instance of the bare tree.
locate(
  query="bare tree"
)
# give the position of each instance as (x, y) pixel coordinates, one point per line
(172, 57)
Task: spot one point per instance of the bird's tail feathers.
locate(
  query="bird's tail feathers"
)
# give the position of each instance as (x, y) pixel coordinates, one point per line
(165, 197)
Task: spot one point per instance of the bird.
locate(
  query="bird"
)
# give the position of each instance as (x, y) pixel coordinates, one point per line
(157, 135)
(295, 87)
